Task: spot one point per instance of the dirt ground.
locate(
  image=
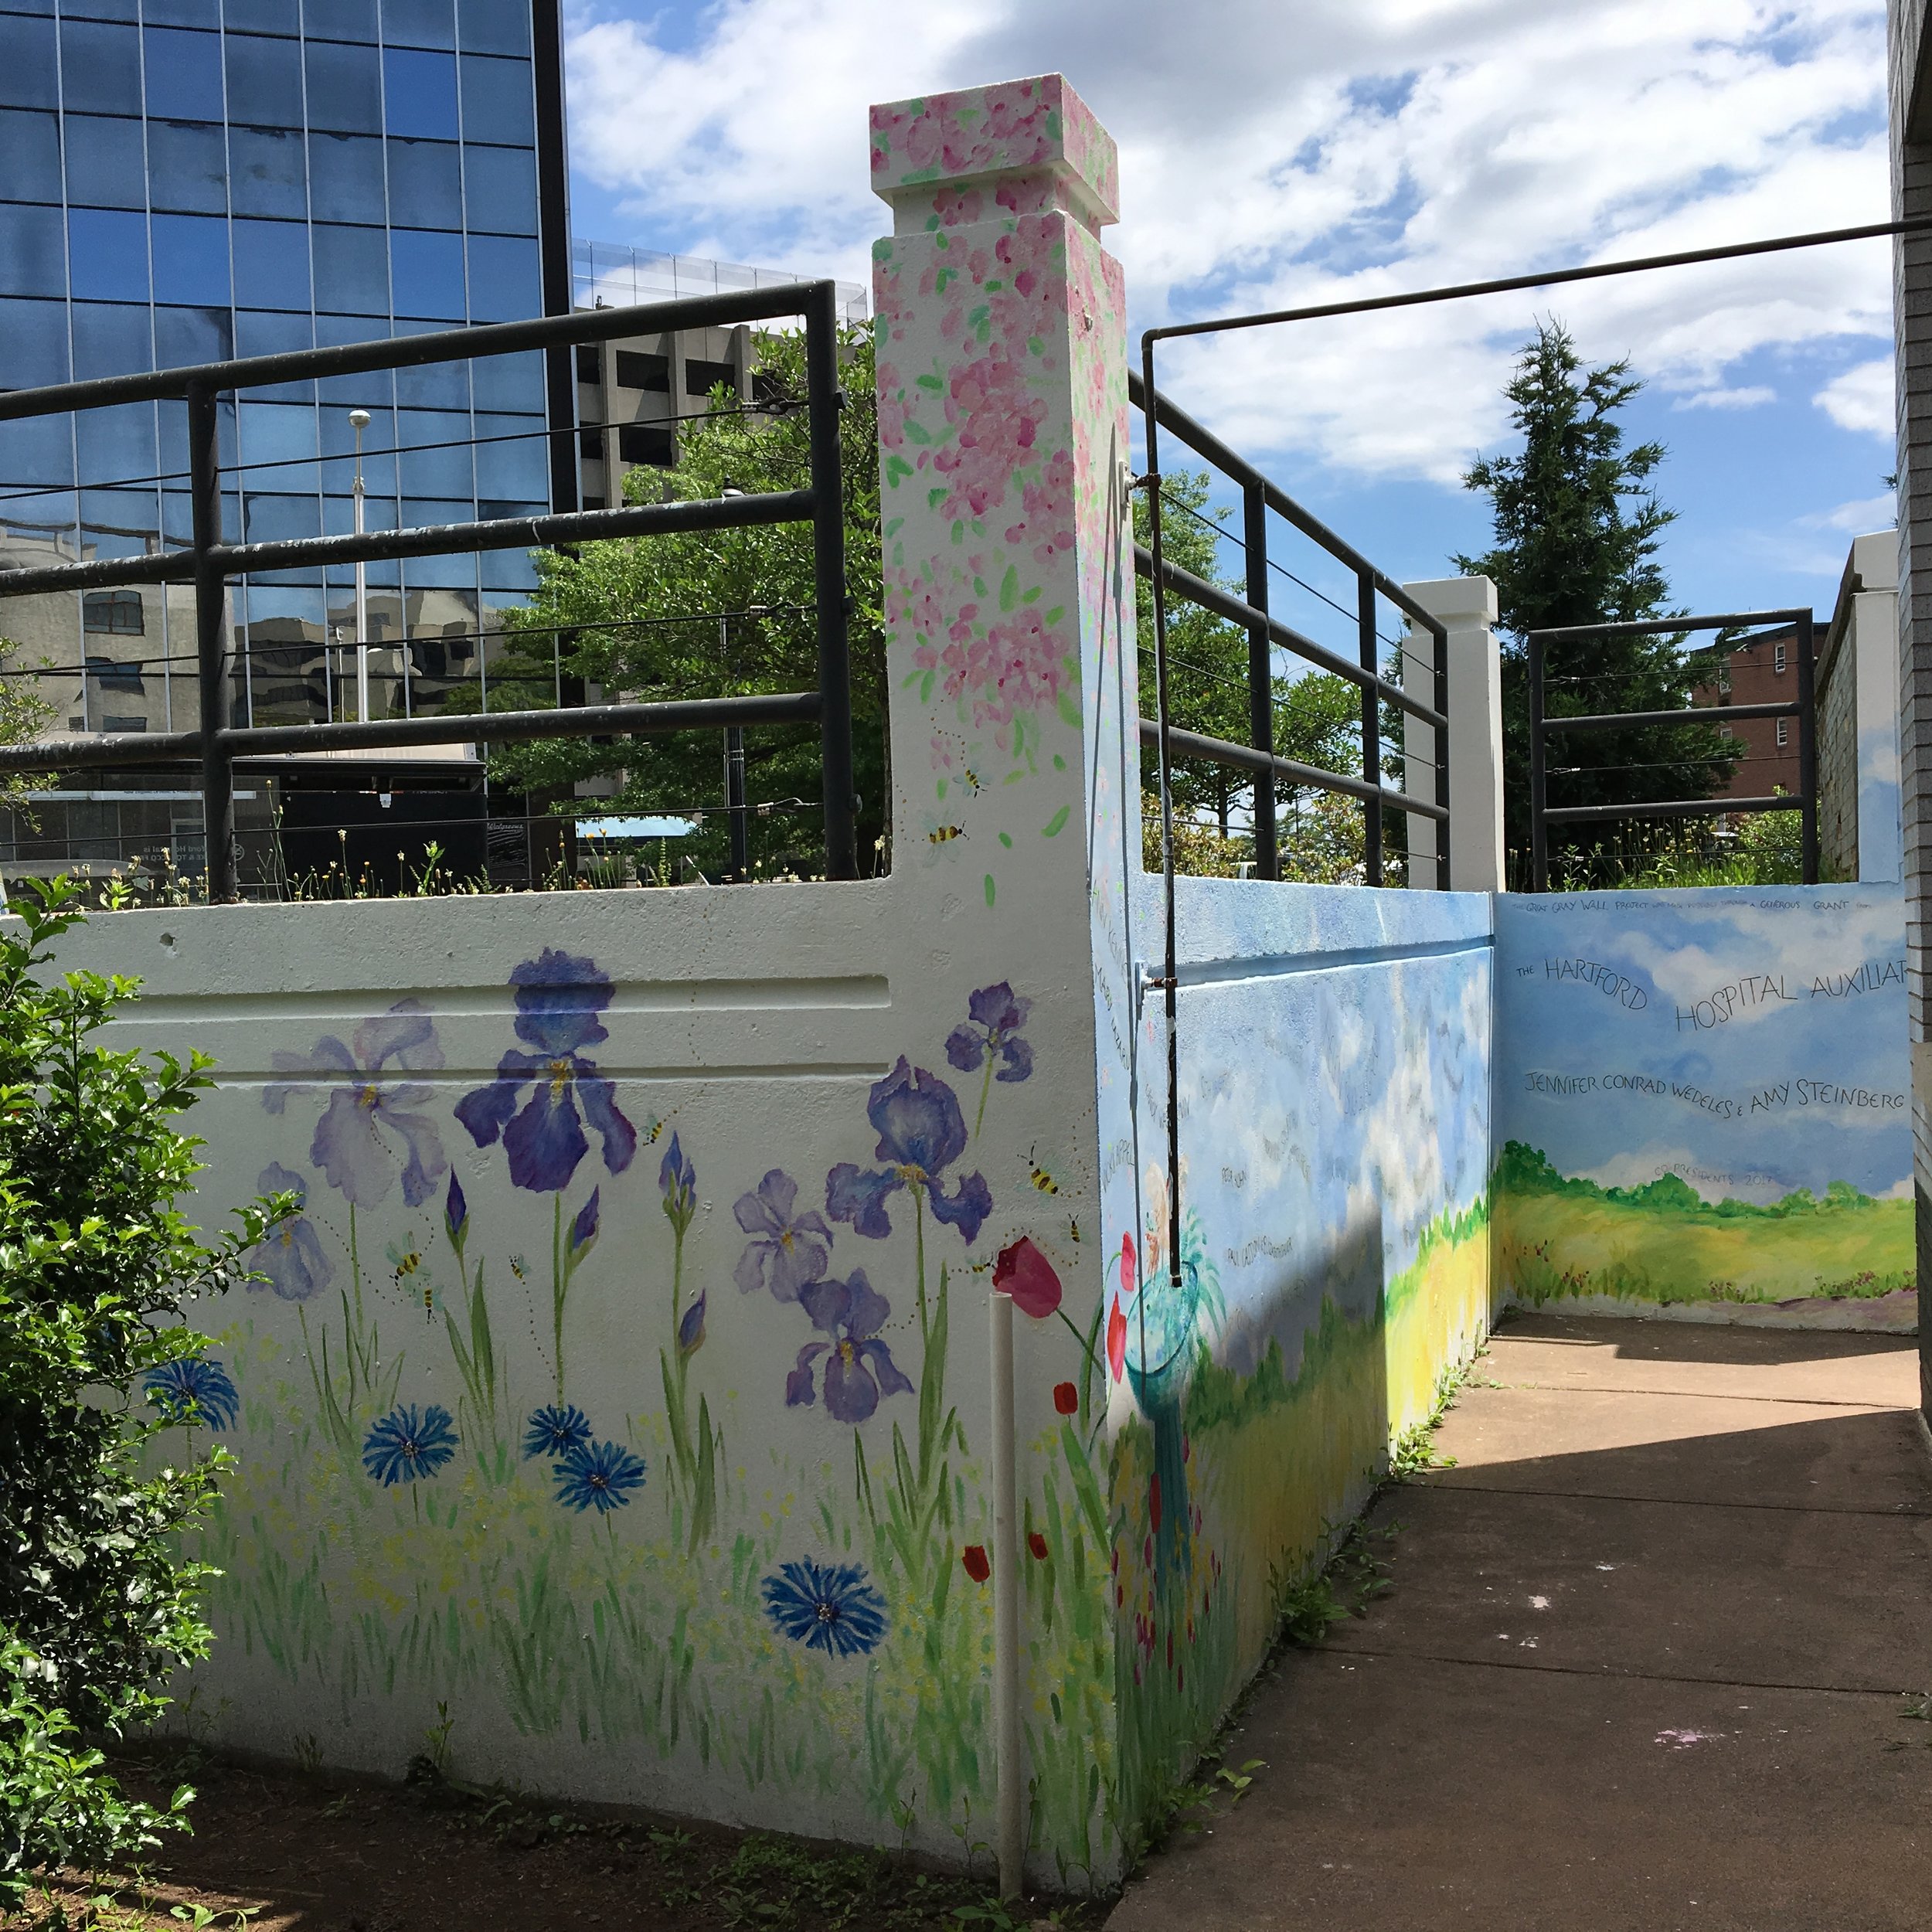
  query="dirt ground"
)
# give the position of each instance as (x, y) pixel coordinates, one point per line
(279, 1852)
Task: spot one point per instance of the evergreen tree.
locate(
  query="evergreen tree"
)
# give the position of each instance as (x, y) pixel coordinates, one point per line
(1577, 524)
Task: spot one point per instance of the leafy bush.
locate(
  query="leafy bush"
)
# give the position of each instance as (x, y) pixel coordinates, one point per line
(96, 1605)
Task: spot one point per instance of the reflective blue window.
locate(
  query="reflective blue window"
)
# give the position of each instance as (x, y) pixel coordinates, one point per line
(497, 99)
(431, 385)
(32, 145)
(271, 265)
(510, 570)
(264, 81)
(506, 285)
(177, 13)
(188, 167)
(419, 93)
(345, 87)
(185, 335)
(191, 259)
(265, 16)
(425, 270)
(419, 23)
(36, 336)
(345, 178)
(27, 70)
(107, 162)
(184, 74)
(446, 471)
(107, 255)
(110, 339)
(509, 381)
(267, 334)
(425, 185)
(38, 451)
(339, 19)
(272, 519)
(378, 471)
(494, 26)
(102, 68)
(98, 9)
(515, 465)
(352, 271)
(500, 187)
(266, 172)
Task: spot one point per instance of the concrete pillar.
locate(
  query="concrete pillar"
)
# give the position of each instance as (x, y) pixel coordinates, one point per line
(1467, 607)
(1873, 642)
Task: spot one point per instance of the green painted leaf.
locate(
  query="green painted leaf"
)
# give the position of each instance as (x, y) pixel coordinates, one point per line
(932, 382)
(1069, 709)
(935, 498)
(1006, 839)
(1054, 615)
(917, 431)
(989, 889)
(896, 525)
(1053, 827)
(897, 469)
(1009, 588)
(1034, 595)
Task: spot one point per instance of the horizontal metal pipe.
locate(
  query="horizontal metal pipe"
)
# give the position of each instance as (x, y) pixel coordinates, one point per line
(1223, 751)
(1663, 626)
(1204, 443)
(1699, 714)
(1224, 604)
(492, 727)
(434, 539)
(412, 352)
(1670, 808)
(1684, 258)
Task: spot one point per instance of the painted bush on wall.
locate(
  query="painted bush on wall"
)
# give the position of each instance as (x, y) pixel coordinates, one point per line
(1703, 1104)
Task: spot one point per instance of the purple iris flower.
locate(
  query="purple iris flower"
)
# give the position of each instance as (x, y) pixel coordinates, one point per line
(997, 1014)
(859, 1368)
(583, 1236)
(787, 1250)
(677, 1183)
(921, 1133)
(456, 1214)
(369, 1114)
(292, 1255)
(691, 1327)
(558, 996)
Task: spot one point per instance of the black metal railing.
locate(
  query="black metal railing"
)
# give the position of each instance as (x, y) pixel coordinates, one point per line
(1542, 814)
(210, 563)
(1258, 496)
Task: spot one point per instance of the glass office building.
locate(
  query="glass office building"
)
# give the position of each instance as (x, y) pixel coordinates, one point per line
(186, 181)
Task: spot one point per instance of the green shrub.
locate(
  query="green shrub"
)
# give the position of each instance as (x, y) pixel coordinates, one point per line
(97, 1604)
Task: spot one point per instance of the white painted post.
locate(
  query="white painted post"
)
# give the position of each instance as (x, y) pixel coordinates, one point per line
(1467, 607)
(1874, 643)
(1008, 1749)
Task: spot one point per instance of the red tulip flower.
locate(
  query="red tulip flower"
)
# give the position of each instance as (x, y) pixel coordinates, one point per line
(1116, 1340)
(1067, 1398)
(1026, 1274)
(973, 1557)
(1037, 1544)
(1126, 1264)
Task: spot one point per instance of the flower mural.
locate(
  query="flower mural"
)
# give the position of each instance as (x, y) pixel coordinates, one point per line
(991, 1037)
(558, 996)
(826, 1606)
(859, 1368)
(408, 1444)
(290, 1260)
(677, 1183)
(554, 1428)
(921, 1133)
(787, 1250)
(369, 1118)
(597, 1475)
(1023, 1272)
(194, 1390)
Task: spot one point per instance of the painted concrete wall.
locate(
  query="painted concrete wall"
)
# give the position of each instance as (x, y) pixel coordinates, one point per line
(1702, 1104)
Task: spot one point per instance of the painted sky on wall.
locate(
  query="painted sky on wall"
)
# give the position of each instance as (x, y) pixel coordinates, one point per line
(1359, 146)
(1752, 1041)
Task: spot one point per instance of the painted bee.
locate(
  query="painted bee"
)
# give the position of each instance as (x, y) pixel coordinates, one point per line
(945, 835)
(1041, 1178)
(652, 1132)
(519, 1267)
(405, 1264)
(1073, 1228)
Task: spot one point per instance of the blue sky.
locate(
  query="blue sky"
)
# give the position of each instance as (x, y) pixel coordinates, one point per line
(1273, 155)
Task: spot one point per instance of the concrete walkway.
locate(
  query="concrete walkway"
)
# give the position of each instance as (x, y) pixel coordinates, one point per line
(1641, 1667)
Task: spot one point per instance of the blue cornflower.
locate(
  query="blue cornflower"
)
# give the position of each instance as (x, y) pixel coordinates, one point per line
(194, 1389)
(597, 1474)
(828, 1606)
(551, 1431)
(406, 1444)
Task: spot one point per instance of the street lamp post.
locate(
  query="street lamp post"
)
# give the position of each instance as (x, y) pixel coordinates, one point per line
(359, 421)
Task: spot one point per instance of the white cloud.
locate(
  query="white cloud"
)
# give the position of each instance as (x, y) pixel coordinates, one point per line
(1752, 397)
(1273, 156)
(1859, 518)
(1861, 399)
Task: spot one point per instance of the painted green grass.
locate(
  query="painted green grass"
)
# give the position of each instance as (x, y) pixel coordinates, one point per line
(1663, 1243)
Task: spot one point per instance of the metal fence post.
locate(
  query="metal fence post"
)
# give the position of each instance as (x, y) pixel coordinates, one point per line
(211, 648)
(1538, 833)
(1444, 826)
(1807, 746)
(824, 402)
(1267, 846)
(735, 804)
(1371, 730)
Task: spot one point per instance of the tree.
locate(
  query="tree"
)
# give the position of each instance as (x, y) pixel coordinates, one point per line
(1317, 717)
(96, 1604)
(714, 613)
(23, 712)
(1577, 526)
